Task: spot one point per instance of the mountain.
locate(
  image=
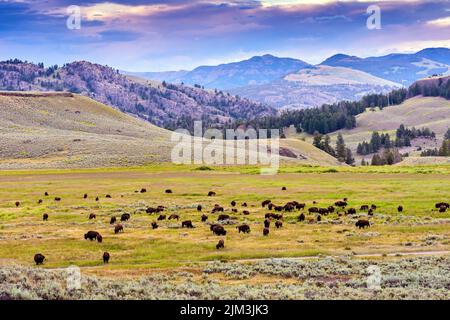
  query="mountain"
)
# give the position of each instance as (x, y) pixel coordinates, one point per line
(65, 130)
(399, 68)
(254, 71)
(167, 105)
(315, 86)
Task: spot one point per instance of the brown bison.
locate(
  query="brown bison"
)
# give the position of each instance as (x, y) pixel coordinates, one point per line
(370, 212)
(442, 209)
(442, 204)
(143, 190)
(283, 189)
(351, 211)
(161, 217)
(168, 191)
(85, 196)
(266, 223)
(400, 209)
(57, 199)
(331, 209)
(211, 194)
(154, 225)
(45, 217)
(118, 228)
(97, 199)
(223, 217)
(220, 244)
(340, 204)
(199, 208)
(319, 218)
(265, 231)
(364, 207)
(108, 196)
(17, 203)
(40, 201)
(245, 212)
(151, 210)
(106, 257)
(300, 206)
(270, 206)
(174, 216)
(125, 217)
(46, 194)
(233, 203)
(245, 205)
(204, 217)
(234, 210)
(217, 208)
(265, 203)
(245, 228)
(113, 220)
(92, 216)
(39, 258)
(219, 230)
(301, 217)
(187, 224)
(373, 207)
(278, 224)
(361, 224)
(313, 210)
(93, 235)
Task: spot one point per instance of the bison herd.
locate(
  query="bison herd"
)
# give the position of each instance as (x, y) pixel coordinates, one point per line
(276, 214)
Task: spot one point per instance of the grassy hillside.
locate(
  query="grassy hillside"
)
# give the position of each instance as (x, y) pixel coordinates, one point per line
(65, 130)
(431, 112)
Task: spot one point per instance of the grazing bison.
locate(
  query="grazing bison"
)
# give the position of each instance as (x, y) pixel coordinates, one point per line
(39, 258)
(93, 235)
(289, 207)
(265, 231)
(278, 224)
(223, 217)
(267, 223)
(351, 211)
(211, 194)
(301, 217)
(217, 208)
(370, 213)
(108, 196)
(265, 203)
(245, 228)
(40, 201)
(45, 217)
(154, 225)
(270, 206)
(17, 203)
(246, 212)
(400, 209)
(46, 194)
(331, 209)
(313, 210)
(85, 196)
(323, 211)
(125, 217)
(204, 217)
(168, 191)
(319, 218)
(233, 203)
(373, 207)
(220, 244)
(143, 190)
(245, 204)
(283, 189)
(118, 228)
(187, 224)
(199, 208)
(235, 210)
(174, 216)
(361, 224)
(161, 217)
(151, 210)
(113, 220)
(364, 207)
(97, 199)
(440, 204)
(442, 209)
(300, 206)
(92, 216)
(106, 257)
(340, 204)
(219, 230)
(57, 199)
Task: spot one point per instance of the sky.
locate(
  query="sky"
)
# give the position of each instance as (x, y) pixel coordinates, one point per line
(159, 35)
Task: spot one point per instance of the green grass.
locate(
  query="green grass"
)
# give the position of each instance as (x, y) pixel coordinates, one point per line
(61, 238)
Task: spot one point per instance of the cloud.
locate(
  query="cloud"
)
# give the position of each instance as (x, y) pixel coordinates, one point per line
(441, 22)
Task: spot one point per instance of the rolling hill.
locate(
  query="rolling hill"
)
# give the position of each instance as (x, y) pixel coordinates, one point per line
(65, 130)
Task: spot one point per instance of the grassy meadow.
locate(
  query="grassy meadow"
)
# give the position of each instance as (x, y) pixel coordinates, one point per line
(141, 250)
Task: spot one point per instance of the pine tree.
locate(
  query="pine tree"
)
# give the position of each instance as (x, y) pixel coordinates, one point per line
(349, 157)
(341, 151)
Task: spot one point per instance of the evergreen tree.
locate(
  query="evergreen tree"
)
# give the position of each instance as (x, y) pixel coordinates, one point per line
(341, 151)
(349, 157)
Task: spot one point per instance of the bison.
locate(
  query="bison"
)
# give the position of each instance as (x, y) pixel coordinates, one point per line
(187, 224)
(351, 211)
(245, 212)
(361, 224)
(143, 190)
(442, 209)
(168, 191)
(108, 196)
(118, 228)
(373, 207)
(233, 203)
(283, 189)
(161, 217)
(278, 224)
(245, 205)
(199, 208)
(211, 194)
(265, 231)
(39, 258)
(266, 223)
(400, 209)
(174, 216)
(40, 201)
(245, 228)
(93, 235)
(217, 208)
(125, 217)
(265, 203)
(340, 204)
(97, 199)
(364, 207)
(301, 217)
(234, 210)
(220, 244)
(85, 196)
(204, 217)
(300, 206)
(154, 225)
(113, 220)
(57, 199)
(17, 203)
(92, 216)
(45, 217)
(223, 217)
(106, 257)
(219, 230)
(46, 194)
(313, 210)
